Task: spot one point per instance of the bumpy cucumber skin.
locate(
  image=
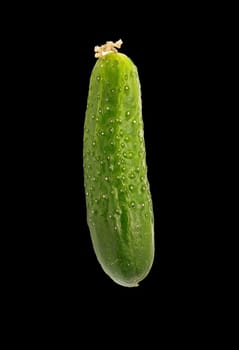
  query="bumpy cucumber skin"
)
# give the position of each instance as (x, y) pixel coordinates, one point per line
(118, 199)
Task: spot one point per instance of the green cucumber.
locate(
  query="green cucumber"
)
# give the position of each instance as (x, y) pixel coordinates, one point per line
(118, 198)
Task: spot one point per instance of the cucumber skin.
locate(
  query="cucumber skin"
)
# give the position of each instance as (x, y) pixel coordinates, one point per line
(118, 199)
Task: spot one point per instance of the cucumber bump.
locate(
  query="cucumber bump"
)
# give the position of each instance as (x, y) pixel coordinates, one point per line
(118, 198)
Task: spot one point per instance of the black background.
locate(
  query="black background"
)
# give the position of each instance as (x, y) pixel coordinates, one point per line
(57, 273)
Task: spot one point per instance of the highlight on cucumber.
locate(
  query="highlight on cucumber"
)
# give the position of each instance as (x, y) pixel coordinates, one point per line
(119, 204)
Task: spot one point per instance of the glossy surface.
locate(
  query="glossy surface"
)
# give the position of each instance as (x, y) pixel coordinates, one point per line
(118, 199)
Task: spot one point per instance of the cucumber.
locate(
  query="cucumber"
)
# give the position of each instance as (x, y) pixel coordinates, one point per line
(118, 199)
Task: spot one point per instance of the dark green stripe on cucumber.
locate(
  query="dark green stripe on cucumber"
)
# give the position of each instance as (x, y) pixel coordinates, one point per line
(118, 199)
